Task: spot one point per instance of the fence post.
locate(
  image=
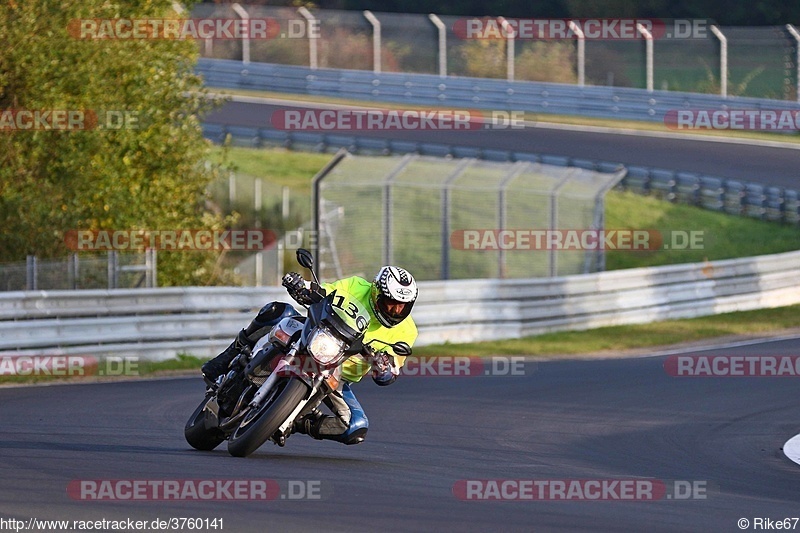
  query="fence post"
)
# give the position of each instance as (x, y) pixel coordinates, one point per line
(231, 190)
(502, 211)
(648, 39)
(376, 40)
(257, 201)
(246, 40)
(442, 44)
(31, 273)
(313, 34)
(794, 33)
(723, 61)
(576, 29)
(112, 269)
(73, 271)
(509, 34)
(445, 266)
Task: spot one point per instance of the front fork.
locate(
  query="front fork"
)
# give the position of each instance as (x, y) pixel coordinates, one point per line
(316, 383)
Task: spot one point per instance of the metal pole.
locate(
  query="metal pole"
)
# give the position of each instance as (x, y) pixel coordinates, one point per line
(554, 220)
(445, 266)
(648, 38)
(442, 44)
(316, 182)
(312, 36)
(723, 61)
(231, 189)
(576, 29)
(148, 269)
(388, 213)
(502, 211)
(794, 33)
(257, 200)
(32, 273)
(259, 269)
(246, 41)
(285, 204)
(76, 271)
(376, 40)
(509, 34)
(154, 266)
(112, 269)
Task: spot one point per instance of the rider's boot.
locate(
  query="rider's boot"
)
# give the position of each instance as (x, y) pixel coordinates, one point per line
(309, 424)
(268, 316)
(219, 365)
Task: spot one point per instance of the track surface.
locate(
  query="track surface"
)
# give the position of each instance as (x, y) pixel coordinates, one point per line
(604, 419)
(759, 164)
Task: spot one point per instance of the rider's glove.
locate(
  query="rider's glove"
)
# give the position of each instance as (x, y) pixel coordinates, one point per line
(296, 287)
(383, 371)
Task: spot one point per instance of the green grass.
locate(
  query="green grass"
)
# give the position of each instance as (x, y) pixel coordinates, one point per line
(608, 340)
(138, 368)
(277, 166)
(724, 236)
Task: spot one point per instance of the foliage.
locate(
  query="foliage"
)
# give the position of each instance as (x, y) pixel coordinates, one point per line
(150, 176)
(550, 61)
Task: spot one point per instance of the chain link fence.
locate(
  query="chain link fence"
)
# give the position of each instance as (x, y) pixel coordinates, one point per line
(457, 218)
(762, 61)
(112, 270)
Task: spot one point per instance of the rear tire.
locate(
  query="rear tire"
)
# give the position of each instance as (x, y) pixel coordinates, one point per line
(263, 423)
(197, 435)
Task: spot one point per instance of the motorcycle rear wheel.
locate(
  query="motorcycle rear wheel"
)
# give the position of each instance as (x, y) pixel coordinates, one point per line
(258, 426)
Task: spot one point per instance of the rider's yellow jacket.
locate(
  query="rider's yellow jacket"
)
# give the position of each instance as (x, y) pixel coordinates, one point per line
(356, 367)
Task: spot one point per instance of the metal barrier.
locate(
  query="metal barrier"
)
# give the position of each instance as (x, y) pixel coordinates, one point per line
(471, 93)
(710, 192)
(160, 323)
(692, 55)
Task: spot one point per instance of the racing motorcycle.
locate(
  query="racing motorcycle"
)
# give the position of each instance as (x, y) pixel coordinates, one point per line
(287, 374)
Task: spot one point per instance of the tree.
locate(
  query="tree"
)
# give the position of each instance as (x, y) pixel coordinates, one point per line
(147, 175)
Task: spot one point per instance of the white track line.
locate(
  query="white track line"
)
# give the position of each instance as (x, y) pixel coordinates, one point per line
(792, 449)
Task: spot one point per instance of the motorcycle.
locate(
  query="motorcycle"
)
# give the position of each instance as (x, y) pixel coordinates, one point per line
(287, 374)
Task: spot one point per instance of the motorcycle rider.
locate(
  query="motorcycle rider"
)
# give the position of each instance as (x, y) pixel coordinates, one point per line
(389, 299)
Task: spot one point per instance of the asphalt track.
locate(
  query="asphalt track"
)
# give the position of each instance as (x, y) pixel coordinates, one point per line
(768, 165)
(609, 419)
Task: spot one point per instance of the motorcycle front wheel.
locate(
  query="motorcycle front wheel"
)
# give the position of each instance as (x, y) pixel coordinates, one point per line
(196, 433)
(262, 422)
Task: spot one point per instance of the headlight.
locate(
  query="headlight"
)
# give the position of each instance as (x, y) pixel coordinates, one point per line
(325, 347)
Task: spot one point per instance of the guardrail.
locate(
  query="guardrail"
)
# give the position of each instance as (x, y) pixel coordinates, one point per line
(470, 93)
(710, 192)
(160, 323)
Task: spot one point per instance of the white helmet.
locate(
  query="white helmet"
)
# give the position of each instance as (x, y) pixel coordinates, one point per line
(394, 292)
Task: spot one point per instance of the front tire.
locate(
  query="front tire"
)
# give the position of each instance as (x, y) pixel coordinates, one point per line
(257, 427)
(197, 435)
